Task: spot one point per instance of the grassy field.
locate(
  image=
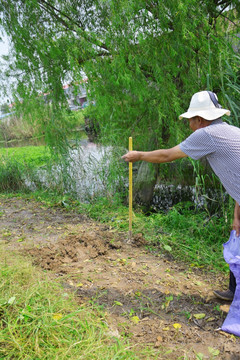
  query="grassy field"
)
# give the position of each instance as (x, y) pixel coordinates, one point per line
(35, 155)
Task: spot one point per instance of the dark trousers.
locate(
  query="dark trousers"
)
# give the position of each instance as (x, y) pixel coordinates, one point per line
(232, 282)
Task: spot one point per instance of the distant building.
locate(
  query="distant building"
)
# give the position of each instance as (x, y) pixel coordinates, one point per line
(76, 95)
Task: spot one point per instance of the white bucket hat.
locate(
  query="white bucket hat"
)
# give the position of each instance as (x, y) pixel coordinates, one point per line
(205, 104)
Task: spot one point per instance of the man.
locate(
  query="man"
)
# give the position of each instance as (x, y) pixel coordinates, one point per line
(218, 142)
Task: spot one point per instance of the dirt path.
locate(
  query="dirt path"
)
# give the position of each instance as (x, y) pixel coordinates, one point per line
(146, 297)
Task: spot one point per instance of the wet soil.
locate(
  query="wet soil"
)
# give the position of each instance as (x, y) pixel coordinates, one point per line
(147, 297)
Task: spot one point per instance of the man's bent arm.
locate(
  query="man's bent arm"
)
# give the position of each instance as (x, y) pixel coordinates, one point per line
(156, 156)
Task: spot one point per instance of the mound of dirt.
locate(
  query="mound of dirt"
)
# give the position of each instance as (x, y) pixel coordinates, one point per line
(74, 250)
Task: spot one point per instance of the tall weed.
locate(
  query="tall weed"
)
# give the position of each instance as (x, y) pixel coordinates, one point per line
(194, 237)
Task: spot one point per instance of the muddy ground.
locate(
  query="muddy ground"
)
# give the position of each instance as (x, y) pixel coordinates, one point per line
(147, 297)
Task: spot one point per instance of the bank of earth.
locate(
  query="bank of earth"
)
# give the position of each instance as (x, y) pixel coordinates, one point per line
(147, 297)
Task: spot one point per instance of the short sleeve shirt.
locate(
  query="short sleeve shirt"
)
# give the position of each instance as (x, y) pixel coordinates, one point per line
(220, 144)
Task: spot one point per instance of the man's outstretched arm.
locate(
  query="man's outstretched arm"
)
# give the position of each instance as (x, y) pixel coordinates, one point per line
(156, 156)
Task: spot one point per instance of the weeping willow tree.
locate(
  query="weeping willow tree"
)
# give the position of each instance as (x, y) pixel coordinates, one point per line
(143, 60)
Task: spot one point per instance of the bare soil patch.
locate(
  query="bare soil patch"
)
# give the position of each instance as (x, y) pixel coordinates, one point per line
(149, 298)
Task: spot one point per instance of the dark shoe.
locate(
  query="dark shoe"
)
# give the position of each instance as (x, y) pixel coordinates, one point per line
(224, 295)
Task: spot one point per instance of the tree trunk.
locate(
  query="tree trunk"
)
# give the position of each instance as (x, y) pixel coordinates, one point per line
(144, 184)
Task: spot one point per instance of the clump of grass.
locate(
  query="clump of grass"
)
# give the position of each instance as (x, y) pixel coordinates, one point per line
(16, 128)
(191, 236)
(11, 176)
(18, 167)
(39, 320)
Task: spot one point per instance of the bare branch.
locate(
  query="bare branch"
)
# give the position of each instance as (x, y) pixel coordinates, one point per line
(61, 13)
(69, 26)
(101, 54)
(226, 17)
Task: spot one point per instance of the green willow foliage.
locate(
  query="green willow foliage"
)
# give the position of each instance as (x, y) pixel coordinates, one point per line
(143, 59)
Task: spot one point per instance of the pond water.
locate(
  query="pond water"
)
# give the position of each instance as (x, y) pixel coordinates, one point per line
(166, 196)
(85, 173)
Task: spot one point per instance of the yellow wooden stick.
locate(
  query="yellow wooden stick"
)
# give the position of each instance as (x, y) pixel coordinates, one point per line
(130, 193)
